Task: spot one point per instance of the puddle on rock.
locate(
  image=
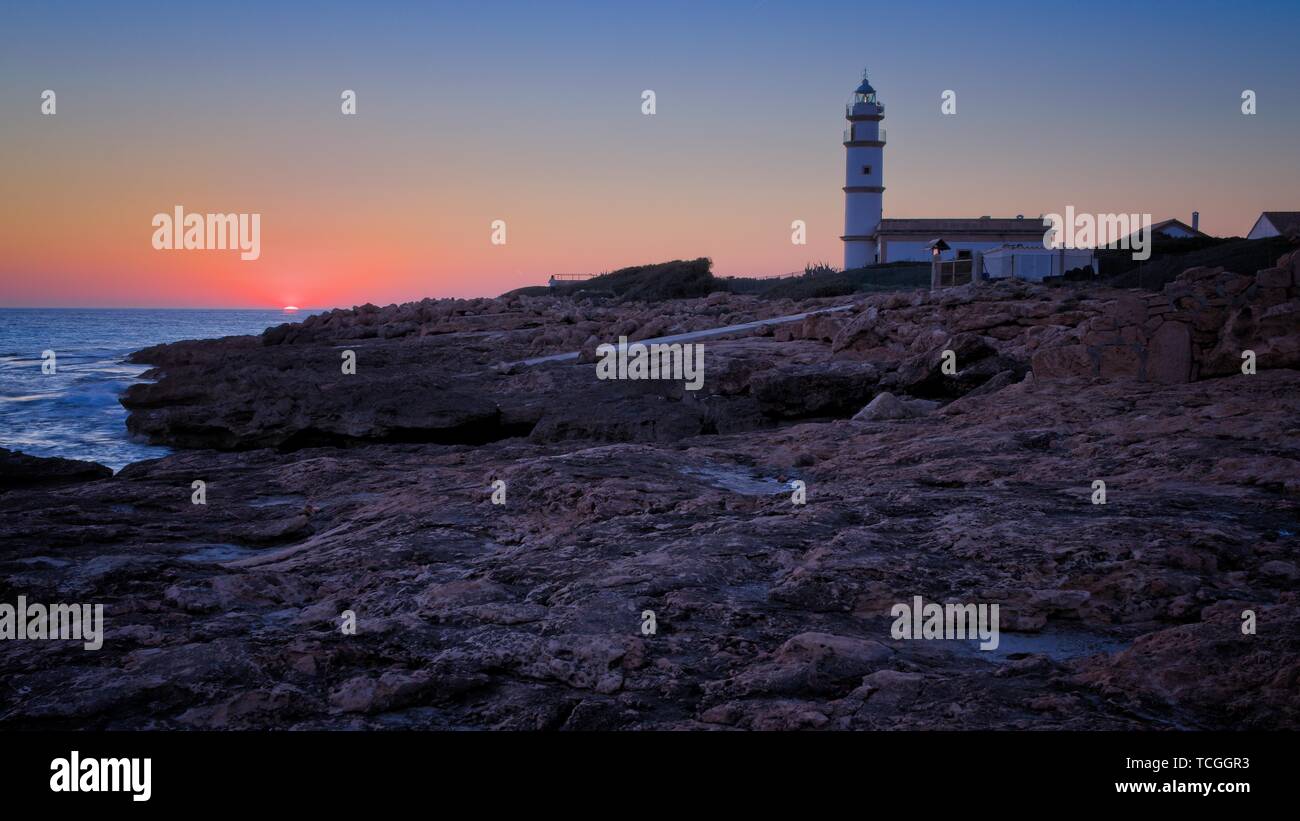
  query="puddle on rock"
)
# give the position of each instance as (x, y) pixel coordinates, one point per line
(218, 553)
(43, 561)
(739, 480)
(751, 592)
(275, 501)
(1058, 644)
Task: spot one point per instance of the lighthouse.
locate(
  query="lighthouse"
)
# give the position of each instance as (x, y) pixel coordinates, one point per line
(864, 150)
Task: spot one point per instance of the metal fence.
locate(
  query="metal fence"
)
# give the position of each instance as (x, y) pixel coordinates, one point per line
(953, 272)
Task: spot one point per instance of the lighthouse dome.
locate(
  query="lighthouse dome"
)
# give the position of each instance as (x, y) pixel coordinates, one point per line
(864, 93)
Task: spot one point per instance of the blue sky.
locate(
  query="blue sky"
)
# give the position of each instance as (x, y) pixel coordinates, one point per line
(530, 112)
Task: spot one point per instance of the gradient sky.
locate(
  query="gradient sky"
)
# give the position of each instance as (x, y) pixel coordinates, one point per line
(531, 112)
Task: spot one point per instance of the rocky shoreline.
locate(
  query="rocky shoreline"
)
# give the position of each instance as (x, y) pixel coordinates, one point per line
(372, 492)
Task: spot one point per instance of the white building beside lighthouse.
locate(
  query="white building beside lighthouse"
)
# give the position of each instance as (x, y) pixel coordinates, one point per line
(869, 238)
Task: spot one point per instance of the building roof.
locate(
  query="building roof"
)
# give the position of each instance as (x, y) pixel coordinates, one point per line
(1014, 248)
(932, 228)
(1157, 227)
(1286, 222)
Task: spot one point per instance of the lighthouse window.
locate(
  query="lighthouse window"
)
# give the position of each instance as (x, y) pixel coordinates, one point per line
(866, 169)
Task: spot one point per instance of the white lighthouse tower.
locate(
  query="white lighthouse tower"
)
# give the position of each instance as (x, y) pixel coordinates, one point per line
(864, 144)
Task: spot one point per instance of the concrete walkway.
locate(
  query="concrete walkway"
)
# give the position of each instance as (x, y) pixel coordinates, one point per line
(686, 337)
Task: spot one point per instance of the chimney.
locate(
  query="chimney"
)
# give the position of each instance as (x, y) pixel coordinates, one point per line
(1196, 220)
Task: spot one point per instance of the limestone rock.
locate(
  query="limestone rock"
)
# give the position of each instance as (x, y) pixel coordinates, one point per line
(886, 407)
(19, 470)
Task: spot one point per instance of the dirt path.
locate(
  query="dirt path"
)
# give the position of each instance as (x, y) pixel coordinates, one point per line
(690, 335)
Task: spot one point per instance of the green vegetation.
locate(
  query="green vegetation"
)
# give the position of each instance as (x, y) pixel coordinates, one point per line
(679, 279)
(824, 281)
(684, 279)
(1169, 258)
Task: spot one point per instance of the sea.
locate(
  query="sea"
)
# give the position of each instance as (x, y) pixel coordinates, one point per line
(74, 412)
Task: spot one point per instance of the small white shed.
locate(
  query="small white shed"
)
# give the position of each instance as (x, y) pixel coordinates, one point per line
(1034, 262)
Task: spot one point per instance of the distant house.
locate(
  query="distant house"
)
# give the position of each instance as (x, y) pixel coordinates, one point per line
(914, 239)
(1275, 224)
(1169, 229)
(1177, 229)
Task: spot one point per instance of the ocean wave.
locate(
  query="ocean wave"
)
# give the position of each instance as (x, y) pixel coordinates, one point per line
(76, 413)
(31, 397)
